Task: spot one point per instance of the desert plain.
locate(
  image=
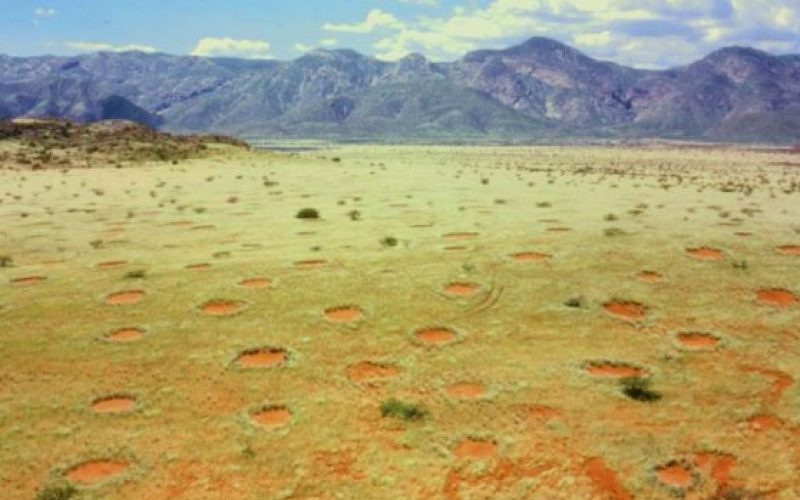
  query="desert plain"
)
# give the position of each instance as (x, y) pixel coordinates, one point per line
(456, 322)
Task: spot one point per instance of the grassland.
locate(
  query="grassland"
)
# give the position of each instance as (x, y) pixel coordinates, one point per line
(576, 323)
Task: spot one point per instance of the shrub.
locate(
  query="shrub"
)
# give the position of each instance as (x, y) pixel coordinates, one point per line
(308, 213)
(638, 389)
(405, 411)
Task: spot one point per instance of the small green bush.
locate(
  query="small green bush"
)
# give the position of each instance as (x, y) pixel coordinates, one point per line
(638, 389)
(308, 213)
(397, 409)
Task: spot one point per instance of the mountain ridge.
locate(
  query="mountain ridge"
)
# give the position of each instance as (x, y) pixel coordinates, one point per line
(539, 89)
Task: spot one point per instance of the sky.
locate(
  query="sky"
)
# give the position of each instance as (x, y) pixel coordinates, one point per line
(641, 33)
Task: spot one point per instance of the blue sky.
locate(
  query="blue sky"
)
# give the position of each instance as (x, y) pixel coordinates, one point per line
(644, 33)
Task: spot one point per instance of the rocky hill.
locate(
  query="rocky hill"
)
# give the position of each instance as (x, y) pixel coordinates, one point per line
(538, 89)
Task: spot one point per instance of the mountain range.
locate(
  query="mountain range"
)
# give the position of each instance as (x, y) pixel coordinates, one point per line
(540, 89)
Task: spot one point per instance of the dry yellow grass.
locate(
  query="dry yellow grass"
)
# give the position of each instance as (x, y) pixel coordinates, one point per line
(275, 390)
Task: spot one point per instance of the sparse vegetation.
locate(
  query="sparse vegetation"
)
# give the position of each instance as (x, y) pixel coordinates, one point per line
(395, 408)
(638, 389)
(307, 213)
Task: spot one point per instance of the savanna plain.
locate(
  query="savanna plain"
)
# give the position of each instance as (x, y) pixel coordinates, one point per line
(403, 322)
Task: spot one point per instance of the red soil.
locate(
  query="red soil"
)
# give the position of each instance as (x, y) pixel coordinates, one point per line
(125, 335)
(467, 390)
(763, 422)
(344, 314)
(461, 289)
(649, 277)
(126, 298)
(625, 309)
(255, 283)
(436, 336)
(789, 249)
(28, 280)
(676, 475)
(113, 404)
(719, 465)
(272, 416)
(605, 480)
(697, 340)
(476, 448)
(706, 253)
(611, 369)
(310, 264)
(367, 370)
(95, 471)
(777, 297)
(112, 264)
(460, 236)
(781, 381)
(221, 307)
(263, 358)
(530, 256)
(538, 413)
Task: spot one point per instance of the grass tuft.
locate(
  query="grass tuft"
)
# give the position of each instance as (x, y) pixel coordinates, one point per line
(61, 491)
(406, 411)
(638, 389)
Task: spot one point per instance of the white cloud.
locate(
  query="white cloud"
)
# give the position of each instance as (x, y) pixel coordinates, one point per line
(231, 47)
(376, 19)
(45, 12)
(301, 47)
(107, 47)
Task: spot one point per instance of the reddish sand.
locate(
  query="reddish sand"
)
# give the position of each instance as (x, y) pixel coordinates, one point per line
(675, 475)
(126, 298)
(789, 249)
(781, 381)
(112, 264)
(310, 264)
(114, 404)
(625, 309)
(476, 448)
(467, 390)
(537, 413)
(28, 280)
(649, 277)
(461, 289)
(697, 340)
(460, 236)
(530, 256)
(719, 465)
(221, 307)
(199, 267)
(95, 471)
(367, 370)
(611, 369)
(706, 253)
(272, 416)
(605, 480)
(763, 422)
(256, 283)
(343, 314)
(436, 336)
(125, 335)
(777, 297)
(263, 358)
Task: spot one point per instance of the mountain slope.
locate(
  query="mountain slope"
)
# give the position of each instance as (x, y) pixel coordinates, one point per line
(540, 88)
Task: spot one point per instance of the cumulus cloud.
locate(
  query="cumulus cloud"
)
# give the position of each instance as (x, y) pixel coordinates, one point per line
(376, 19)
(45, 12)
(231, 47)
(107, 47)
(645, 33)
